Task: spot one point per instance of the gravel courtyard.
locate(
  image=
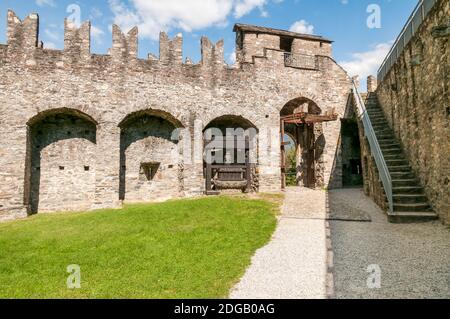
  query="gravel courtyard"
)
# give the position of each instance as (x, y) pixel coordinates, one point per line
(413, 259)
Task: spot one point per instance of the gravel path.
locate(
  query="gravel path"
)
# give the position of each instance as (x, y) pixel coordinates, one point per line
(294, 264)
(414, 259)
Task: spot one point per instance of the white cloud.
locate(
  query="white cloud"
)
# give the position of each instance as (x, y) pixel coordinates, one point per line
(302, 27)
(96, 32)
(244, 7)
(154, 16)
(232, 58)
(51, 34)
(123, 16)
(42, 3)
(367, 63)
(95, 13)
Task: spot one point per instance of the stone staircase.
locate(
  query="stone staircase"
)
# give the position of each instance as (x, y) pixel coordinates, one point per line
(410, 201)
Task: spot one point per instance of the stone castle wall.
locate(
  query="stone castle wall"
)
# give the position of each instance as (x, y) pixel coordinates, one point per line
(71, 118)
(415, 98)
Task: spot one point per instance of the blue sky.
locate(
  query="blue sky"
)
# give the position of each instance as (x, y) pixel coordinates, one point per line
(357, 47)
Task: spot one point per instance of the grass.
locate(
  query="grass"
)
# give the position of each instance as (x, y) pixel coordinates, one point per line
(179, 249)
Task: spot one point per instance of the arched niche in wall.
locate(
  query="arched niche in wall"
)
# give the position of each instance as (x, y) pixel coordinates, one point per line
(150, 157)
(61, 161)
(231, 141)
(235, 125)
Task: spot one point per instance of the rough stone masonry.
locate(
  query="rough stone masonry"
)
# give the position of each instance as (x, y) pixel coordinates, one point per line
(83, 131)
(414, 96)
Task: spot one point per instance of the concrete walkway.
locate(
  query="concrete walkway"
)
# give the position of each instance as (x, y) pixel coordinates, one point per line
(294, 264)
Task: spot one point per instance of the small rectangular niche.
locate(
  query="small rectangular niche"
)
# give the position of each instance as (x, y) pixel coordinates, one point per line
(148, 171)
(87, 168)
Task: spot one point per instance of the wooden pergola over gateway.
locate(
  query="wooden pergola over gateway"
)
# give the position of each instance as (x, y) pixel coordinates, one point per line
(297, 119)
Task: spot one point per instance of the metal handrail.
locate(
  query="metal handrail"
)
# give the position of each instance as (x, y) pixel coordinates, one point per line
(416, 18)
(380, 161)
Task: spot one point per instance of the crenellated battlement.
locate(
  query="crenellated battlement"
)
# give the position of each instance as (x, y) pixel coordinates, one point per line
(212, 54)
(170, 51)
(77, 41)
(24, 34)
(24, 48)
(124, 46)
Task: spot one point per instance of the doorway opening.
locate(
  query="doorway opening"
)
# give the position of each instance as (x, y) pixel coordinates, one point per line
(301, 120)
(352, 172)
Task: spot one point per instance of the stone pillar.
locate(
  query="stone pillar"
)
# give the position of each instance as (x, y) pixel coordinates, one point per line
(269, 159)
(332, 155)
(194, 182)
(13, 163)
(371, 84)
(107, 167)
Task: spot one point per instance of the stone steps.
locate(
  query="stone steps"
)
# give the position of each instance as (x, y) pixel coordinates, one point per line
(387, 140)
(374, 117)
(406, 184)
(394, 157)
(402, 175)
(410, 202)
(376, 121)
(416, 207)
(396, 162)
(383, 129)
(410, 198)
(400, 168)
(393, 151)
(380, 127)
(411, 217)
(389, 145)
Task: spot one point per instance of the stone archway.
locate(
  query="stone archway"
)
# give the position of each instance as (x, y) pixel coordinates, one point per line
(150, 157)
(61, 161)
(230, 154)
(302, 119)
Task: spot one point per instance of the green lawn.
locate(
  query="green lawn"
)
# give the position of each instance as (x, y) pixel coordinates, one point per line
(179, 249)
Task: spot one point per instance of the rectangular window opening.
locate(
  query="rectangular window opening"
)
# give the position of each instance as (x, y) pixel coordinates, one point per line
(286, 44)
